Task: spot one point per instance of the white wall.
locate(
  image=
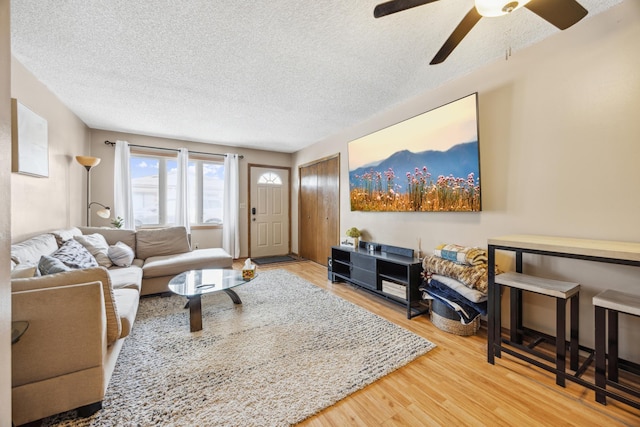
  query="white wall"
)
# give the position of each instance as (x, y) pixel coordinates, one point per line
(41, 204)
(102, 177)
(559, 152)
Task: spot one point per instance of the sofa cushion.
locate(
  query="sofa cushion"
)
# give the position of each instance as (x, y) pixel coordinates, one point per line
(127, 302)
(74, 255)
(65, 234)
(30, 251)
(97, 274)
(113, 235)
(161, 241)
(51, 265)
(121, 254)
(126, 277)
(97, 246)
(169, 265)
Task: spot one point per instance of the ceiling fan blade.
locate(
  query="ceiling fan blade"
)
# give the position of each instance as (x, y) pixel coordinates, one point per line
(393, 6)
(456, 37)
(561, 13)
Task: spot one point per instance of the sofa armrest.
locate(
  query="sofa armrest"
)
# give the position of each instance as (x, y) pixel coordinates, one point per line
(114, 326)
(67, 331)
(72, 277)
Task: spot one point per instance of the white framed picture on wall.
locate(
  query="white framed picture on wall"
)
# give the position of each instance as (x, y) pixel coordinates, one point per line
(30, 144)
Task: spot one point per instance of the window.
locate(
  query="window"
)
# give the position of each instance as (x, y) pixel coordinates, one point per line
(270, 178)
(153, 185)
(206, 192)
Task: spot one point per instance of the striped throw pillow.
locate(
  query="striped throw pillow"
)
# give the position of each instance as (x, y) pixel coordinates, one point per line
(121, 254)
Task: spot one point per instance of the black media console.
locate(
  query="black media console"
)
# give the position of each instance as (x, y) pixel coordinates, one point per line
(388, 271)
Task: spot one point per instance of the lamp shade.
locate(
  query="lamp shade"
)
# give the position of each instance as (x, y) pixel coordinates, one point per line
(104, 213)
(88, 161)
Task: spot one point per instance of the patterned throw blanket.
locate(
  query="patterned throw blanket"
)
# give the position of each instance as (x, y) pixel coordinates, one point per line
(472, 276)
(461, 254)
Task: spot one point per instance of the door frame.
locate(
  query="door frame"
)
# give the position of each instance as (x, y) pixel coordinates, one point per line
(259, 165)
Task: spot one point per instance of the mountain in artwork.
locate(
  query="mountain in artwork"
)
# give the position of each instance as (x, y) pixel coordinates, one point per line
(460, 160)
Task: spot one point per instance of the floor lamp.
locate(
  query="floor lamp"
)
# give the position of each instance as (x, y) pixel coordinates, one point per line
(89, 162)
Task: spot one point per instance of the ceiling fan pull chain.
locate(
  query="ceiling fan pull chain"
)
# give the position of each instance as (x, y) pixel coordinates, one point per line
(507, 40)
(510, 21)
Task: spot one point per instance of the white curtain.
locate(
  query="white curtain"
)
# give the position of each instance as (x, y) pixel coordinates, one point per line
(182, 194)
(230, 231)
(122, 202)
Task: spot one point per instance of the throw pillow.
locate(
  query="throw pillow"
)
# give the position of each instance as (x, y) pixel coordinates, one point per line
(121, 254)
(113, 235)
(74, 255)
(50, 265)
(98, 246)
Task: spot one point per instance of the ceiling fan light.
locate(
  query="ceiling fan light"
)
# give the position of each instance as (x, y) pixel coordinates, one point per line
(492, 8)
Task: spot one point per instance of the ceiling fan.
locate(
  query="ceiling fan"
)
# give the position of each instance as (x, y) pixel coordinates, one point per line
(561, 13)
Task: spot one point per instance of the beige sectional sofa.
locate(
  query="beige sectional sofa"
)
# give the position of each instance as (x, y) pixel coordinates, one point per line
(78, 319)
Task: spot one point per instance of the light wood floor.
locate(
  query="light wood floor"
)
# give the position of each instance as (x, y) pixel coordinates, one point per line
(453, 385)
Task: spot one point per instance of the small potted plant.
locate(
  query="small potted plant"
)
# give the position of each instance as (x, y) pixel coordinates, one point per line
(355, 234)
(118, 222)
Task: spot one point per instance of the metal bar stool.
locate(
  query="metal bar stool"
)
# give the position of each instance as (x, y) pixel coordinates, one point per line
(562, 292)
(609, 304)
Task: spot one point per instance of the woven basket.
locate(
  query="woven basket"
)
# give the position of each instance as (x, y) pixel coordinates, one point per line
(446, 319)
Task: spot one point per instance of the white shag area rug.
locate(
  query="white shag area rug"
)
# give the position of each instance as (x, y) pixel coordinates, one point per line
(289, 351)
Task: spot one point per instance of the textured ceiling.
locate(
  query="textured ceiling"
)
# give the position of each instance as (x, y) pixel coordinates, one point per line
(276, 75)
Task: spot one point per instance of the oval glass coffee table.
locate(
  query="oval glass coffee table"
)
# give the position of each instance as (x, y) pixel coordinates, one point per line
(195, 283)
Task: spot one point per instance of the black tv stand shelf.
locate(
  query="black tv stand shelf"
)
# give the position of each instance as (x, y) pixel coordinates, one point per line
(388, 271)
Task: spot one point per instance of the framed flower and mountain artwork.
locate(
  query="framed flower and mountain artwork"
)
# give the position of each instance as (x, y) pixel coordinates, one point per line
(428, 163)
